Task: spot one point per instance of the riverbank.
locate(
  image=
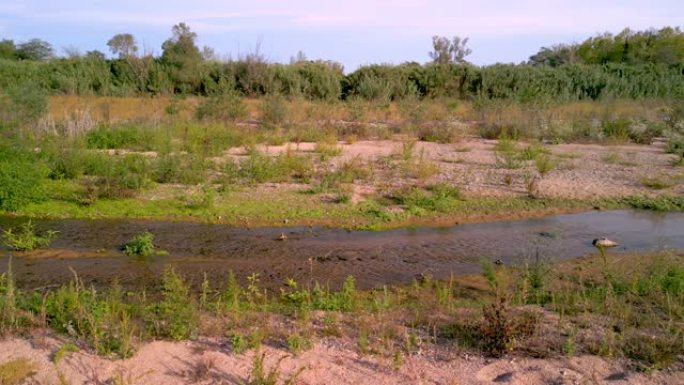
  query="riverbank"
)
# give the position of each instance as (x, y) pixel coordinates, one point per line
(616, 319)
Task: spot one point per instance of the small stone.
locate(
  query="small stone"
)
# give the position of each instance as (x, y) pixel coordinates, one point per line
(504, 377)
(619, 376)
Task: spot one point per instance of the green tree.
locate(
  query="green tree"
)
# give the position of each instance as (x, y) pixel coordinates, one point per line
(183, 58)
(123, 45)
(555, 55)
(7, 49)
(34, 49)
(445, 50)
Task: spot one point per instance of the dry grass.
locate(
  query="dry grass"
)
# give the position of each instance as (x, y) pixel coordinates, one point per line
(16, 371)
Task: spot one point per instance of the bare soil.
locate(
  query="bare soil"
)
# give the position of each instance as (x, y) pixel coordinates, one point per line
(582, 171)
(328, 362)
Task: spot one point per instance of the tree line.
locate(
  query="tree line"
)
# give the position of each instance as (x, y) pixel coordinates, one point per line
(646, 64)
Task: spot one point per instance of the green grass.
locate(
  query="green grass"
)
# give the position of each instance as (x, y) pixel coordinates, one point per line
(628, 308)
(246, 206)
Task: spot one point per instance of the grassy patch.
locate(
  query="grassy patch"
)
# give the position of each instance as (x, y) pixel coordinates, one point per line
(16, 371)
(663, 203)
(658, 182)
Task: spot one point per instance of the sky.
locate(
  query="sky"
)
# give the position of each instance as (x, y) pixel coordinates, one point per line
(352, 32)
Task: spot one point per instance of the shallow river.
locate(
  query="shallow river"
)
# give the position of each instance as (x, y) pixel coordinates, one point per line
(92, 249)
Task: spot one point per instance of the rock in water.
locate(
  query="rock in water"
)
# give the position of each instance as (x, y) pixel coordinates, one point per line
(603, 242)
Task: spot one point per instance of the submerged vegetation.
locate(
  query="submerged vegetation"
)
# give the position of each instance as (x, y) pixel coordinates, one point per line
(25, 237)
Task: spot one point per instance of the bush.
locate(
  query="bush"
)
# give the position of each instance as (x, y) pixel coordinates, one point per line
(675, 145)
(260, 168)
(222, 108)
(141, 245)
(23, 103)
(211, 140)
(178, 168)
(21, 183)
(132, 137)
(177, 315)
(273, 111)
(441, 198)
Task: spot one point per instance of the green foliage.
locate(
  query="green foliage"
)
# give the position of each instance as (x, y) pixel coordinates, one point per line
(260, 375)
(21, 182)
(644, 64)
(128, 136)
(141, 245)
(182, 59)
(273, 111)
(260, 168)
(63, 350)
(179, 168)
(507, 154)
(23, 103)
(440, 197)
(222, 108)
(343, 300)
(177, 315)
(25, 237)
(675, 145)
(662, 203)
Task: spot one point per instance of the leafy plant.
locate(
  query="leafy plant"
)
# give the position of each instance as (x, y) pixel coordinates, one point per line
(141, 245)
(21, 183)
(25, 237)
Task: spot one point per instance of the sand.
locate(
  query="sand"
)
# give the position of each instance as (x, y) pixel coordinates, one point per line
(582, 171)
(329, 361)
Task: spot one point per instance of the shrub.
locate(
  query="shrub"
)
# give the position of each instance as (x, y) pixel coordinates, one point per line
(179, 168)
(507, 154)
(273, 111)
(21, 183)
(442, 197)
(544, 164)
(260, 168)
(210, 140)
(177, 315)
(440, 134)
(141, 245)
(675, 145)
(23, 103)
(129, 136)
(67, 163)
(616, 129)
(327, 148)
(222, 108)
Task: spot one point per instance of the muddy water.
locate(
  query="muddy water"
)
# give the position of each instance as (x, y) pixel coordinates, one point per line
(92, 249)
